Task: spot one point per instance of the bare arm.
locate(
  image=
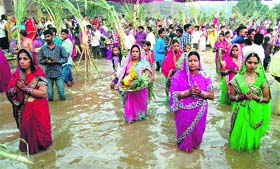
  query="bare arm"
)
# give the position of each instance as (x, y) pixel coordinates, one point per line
(265, 98)
(42, 91)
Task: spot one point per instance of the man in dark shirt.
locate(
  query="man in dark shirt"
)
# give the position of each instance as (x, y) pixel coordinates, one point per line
(172, 35)
(53, 56)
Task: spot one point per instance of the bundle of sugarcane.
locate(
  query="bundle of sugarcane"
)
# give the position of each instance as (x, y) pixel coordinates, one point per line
(20, 13)
(55, 11)
(135, 14)
(111, 16)
(78, 16)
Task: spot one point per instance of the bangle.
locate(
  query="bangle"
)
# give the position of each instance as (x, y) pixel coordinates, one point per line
(261, 98)
(236, 98)
(204, 94)
(186, 93)
(28, 90)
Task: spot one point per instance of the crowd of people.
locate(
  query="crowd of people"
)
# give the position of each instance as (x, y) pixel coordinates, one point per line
(242, 59)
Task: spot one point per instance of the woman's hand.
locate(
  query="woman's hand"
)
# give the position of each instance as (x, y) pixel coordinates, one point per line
(249, 95)
(195, 90)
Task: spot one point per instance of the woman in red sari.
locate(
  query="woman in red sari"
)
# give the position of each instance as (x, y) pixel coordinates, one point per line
(31, 29)
(28, 95)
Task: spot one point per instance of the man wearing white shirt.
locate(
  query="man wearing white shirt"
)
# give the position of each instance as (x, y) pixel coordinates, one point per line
(3, 38)
(151, 37)
(129, 39)
(257, 47)
(68, 46)
(95, 41)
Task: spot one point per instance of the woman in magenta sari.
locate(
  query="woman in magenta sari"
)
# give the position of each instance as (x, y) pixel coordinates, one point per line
(5, 72)
(190, 89)
(229, 68)
(28, 95)
(135, 102)
(221, 49)
(169, 65)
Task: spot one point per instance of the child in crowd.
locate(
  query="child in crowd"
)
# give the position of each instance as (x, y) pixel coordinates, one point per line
(37, 43)
(187, 49)
(116, 63)
(149, 55)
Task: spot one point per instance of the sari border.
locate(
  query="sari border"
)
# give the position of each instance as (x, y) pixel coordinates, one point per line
(193, 124)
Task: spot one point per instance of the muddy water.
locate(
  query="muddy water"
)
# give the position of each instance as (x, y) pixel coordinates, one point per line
(89, 131)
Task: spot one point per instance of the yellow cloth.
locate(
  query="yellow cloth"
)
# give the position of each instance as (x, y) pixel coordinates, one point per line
(275, 64)
(275, 88)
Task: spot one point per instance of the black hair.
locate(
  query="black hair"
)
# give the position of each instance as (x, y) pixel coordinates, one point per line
(175, 41)
(28, 53)
(133, 46)
(247, 42)
(250, 31)
(23, 33)
(120, 56)
(269, 30)
(148, 43)
(187, 26)
(227, 32)
(233, 46)
(252, 55)
(194, 53)
(53, 30)
(3, 17)
(180, 30)
(47, 32)
(160, 31)
(241, 27)
(240, 41)
(197, 27)
(258, 39)
(221, 34)
(140, 27)
(65, 31)
(149, 28)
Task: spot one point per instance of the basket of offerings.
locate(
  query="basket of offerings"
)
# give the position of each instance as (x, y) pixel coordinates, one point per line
(134, 81)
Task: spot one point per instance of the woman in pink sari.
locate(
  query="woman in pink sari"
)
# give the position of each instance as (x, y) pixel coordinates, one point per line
(190, 89)
(173, 55)
(5, 72)
(229, 68)
(135, 102)
(221, 47)
(28, 95)
(169, 65)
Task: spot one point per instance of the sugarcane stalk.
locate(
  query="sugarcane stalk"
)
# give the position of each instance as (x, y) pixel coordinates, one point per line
(15, 157)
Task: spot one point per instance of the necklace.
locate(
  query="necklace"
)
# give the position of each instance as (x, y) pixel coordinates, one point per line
(250, 79)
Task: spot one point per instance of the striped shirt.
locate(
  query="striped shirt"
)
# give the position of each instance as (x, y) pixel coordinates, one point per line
(59, 54)
(186, 38)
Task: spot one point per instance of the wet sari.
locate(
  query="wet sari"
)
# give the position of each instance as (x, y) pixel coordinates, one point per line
(31, 114)
(221, 50)
(5, 72)
(227, 64)
(170, 61)
(135, 102)
(190, 113)
(250, 119)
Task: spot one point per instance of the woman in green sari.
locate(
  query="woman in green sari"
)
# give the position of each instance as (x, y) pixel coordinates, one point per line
(250, 94)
